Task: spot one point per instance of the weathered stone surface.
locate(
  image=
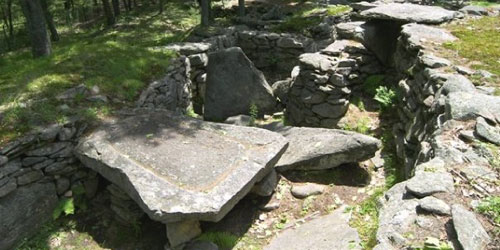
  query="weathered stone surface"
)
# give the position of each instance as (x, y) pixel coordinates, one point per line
(183, 231)
(432, 61)
(434, 205)
(189, 48)
(306, 190)
(281, 89)
(475, 10)
(464, 106)
(418, 34)
(329, 110)
(410, 13)
(487, 131)
(316, 61)
(318, 148)
(478, 172)
(266, 186)
(240, 120)
(233, 85)
(80, 90)
(31, 160)
(10, 167)
(457, 83)
(29, 177)
(178, 168)
(49, 149)
(351, 30)
(323, 233)
(428, 183)
(8, 187)
(3, 160)
(470, 232)
(24, 211)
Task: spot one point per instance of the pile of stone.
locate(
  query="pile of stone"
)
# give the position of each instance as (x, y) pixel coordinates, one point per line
(173, 91)
(321, 84)
(35, 172)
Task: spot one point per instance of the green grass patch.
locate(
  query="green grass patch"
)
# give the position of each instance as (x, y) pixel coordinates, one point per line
(308, 15)
(491, 207)
(485, 3)
(120, 61)
(365, 219)
(478, 42)
(362, 126)
(223, 240)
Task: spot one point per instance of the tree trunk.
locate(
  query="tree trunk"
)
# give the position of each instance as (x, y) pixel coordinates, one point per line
(35, 21)
(116, 7)
(211, 17)
(205, 19)
(160, 5)
(54, 36)
(110, 18)
(129, 4)
(241, 8)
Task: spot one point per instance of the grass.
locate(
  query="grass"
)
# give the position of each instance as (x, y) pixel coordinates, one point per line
(362, 126)
(491, 207)
(485, 3)
(223, 240)
(365, 219)
(478, 42)
(307, 15)
(120, 61)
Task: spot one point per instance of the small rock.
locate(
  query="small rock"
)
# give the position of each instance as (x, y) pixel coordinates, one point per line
(80, 90)
(31, 160)
(474, 10)
(182, 231)
(434, 205)
(266, 186)
(428, 183)
(470, 232)
(10, 167)
(62, 185)
(434, 61)
(475, 172)
(484, 73)
(488, 132)
(464, 70)
(303, 191)
(98, 98)
(467, 135)
(424, 222)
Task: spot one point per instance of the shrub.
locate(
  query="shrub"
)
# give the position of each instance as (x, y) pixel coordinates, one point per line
(385, 97)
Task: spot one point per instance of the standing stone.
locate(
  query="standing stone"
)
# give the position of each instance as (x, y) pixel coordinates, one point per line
(177, 168)
(24, 211)
(233, 85)
(470, 232)
(181, 232)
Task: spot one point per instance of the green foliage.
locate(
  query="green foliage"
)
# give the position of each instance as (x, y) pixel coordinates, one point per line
(65, 206)
(392, 167)
(478, 41)
(223, 240)
(336, 10)
(120, 61)
(372, 83)
(253, 110)
(385, 97)
(362, 126)
(485, 3)
(365, 220)
(491, 207)
(358, 103)
(496, 92)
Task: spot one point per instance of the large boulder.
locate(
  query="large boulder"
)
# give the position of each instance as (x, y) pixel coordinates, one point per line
(410, 13)
(465, 105)
(318, 148)
(233, 85)
(323, 233)
(24, 211)
(178, 168)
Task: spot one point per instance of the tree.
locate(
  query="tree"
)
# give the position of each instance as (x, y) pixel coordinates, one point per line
(116, 7)
(50, 21)
(35, 22)
(205, 12)
(110, 18)
(241, 8)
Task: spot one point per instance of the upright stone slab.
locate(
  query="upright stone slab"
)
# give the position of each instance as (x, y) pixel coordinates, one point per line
(24, 211)
(177, 168)
(233, 85)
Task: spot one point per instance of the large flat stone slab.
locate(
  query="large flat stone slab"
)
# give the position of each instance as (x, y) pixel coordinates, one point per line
(464, 106)
(410, 13)
(319, 148)
(323, 233)
(419, 34)
(177, 168)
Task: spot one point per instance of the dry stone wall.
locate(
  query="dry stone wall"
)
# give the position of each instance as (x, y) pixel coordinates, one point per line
(36, 171)
(321, 84)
